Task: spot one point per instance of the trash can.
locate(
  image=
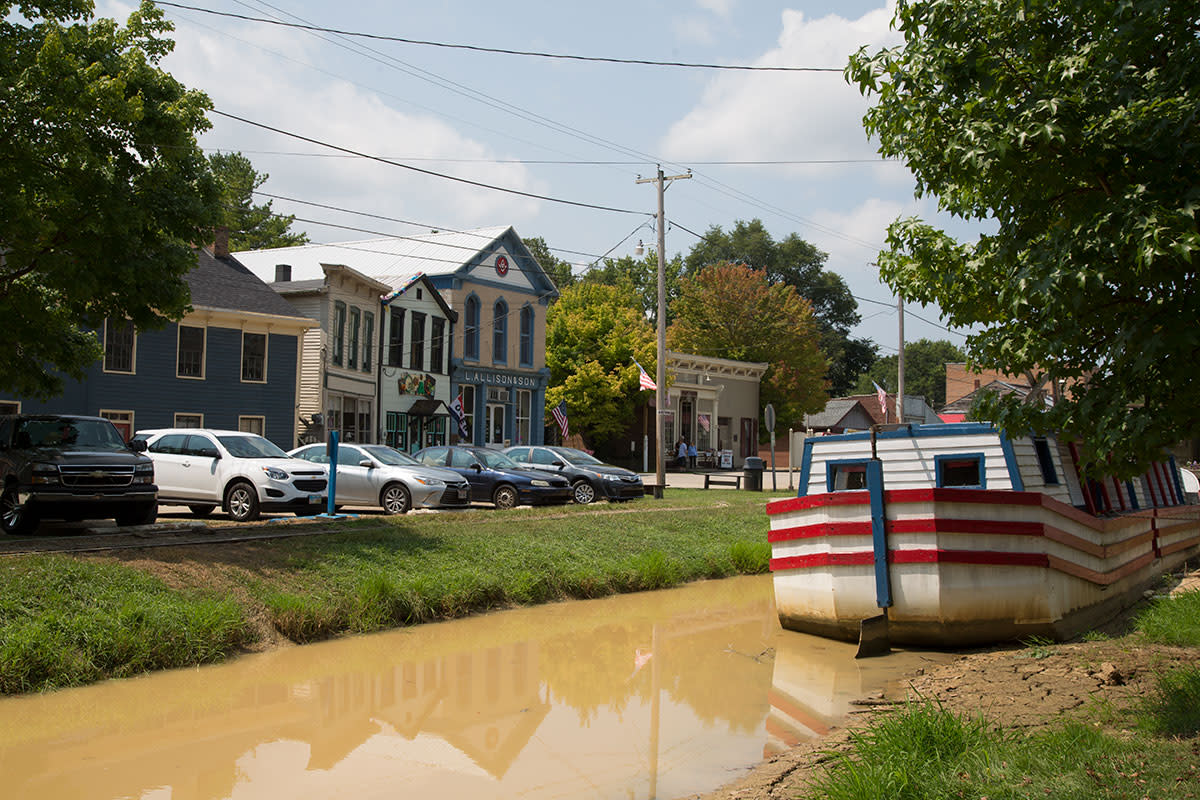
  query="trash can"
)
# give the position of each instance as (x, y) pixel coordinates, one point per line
(752, 471)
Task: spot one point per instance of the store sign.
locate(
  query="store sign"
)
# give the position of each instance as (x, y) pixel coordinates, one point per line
(501, 379)
(416, 383)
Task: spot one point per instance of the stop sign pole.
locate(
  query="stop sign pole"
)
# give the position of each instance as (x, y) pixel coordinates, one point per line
(769, 414)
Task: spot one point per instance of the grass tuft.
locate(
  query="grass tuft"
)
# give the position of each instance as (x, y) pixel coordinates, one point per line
(1173, 709)
(1173, 620)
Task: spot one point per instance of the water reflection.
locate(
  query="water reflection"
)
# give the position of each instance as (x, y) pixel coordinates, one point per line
(641, 696)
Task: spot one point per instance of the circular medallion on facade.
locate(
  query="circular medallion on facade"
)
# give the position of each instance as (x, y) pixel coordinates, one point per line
(501, 266)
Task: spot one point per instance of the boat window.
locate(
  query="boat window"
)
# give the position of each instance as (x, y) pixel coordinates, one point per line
(960, 471)
(844, 476)
(1049, 474)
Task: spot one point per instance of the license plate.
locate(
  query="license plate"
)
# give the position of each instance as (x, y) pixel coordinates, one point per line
(315, 498)
(462, 493)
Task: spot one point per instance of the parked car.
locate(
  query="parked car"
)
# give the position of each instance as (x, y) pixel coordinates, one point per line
(243, 473)
(495, 478)
(63, 466)
(377, 475)
(590, 477)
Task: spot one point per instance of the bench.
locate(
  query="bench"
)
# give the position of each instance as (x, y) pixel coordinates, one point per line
(652, 490)
(723, 480)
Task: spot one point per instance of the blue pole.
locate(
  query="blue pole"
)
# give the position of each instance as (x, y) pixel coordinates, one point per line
(331, 450)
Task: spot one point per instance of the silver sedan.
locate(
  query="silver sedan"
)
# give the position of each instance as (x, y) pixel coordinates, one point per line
(377, 475)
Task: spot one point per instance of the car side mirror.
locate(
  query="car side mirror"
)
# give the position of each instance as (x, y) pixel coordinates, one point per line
(366, 462)
(559, 464)
(138, 445)
(477, 467)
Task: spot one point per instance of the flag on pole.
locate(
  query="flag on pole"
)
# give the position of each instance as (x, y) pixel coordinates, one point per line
(644, 380)
(456, 410)
(560, 416)
(882, 395)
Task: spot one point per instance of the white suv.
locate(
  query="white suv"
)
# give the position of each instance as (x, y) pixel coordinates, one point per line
(243, 473)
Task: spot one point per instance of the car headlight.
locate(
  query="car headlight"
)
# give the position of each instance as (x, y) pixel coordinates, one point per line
(275, 473)
(539, 483)
(143, 473)
(609, 477)
(430, 481)
(45, 475)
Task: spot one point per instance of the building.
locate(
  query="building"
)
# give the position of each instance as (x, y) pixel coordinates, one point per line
(498, 291)
(232, 362)
(961, 381)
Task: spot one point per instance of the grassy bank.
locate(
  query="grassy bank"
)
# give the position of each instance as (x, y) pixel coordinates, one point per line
(923, 751)
(65, 621)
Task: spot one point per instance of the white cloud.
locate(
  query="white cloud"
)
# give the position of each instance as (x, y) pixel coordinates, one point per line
(787, 116)
(719, 7)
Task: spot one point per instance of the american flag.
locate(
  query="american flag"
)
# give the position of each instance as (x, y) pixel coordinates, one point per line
(560, 416)
(882, 395)
(644, 380)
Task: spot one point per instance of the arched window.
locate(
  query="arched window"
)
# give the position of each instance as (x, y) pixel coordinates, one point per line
(500, 332)
(471, 329)
(527, 336)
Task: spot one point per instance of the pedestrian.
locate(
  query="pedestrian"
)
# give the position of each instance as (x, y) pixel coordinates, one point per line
(692, 455)
(681, 452)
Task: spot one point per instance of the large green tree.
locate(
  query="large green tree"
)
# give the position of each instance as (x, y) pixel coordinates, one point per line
(252, 226)
(104, 187)
(733, 311)
(558, 269)
(1073, 128)
(924, 371)
(639, 276)
(796, 262)
(593, 334)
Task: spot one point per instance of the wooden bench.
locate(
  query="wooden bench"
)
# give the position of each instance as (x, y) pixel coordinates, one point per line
(723, 480)
(652, 490)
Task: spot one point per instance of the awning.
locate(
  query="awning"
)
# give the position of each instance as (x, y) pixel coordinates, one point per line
(424, 407)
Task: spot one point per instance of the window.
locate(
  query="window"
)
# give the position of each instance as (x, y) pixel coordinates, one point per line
(352, 351)
(172, 444)
(416, 358)
(963, 471)
(254, 357)
(122, 420)
(1045, 461)
(526, 336)
(545, 457)
(252, 425)
(500, 332)
(395, 356)
(189, 421)
(368, 340)
(468, 404)
(9, 407)
(524, 403)
(351, 417)
(339, 332)
(462, 458)
(437, 341)
(518, 454)
(396, 431)
(201, 447)
(845, 476)
(471, 329)
(118, 346)
(190, 360)
(435, 430)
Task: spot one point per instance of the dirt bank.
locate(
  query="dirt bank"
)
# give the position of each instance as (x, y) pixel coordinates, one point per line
(1021, 687)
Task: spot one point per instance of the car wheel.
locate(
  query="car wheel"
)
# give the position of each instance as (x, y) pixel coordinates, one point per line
(201, 509)
(395, 499)
(505, 497)
(584, 493)
(143, 514)
(15, 519)
(242, 502)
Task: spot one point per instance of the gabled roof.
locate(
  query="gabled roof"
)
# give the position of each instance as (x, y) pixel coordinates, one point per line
(840, 412)
(224, 283)
(963, 404)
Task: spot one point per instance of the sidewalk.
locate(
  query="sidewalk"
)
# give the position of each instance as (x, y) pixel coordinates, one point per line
(695, 480)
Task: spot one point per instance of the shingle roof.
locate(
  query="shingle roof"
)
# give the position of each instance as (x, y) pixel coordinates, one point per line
(835, 411)
(225, 283)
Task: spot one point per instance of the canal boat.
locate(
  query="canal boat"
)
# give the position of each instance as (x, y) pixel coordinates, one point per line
(955, 535)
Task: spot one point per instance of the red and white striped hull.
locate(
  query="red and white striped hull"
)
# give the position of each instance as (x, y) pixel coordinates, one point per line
(965, 566)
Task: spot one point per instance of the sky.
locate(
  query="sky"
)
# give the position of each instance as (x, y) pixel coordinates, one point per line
(577, 131)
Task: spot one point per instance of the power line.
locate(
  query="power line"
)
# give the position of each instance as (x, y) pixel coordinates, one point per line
(498, 50)
(564, 162)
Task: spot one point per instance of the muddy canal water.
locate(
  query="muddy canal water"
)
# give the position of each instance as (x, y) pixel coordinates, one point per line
(653, 695)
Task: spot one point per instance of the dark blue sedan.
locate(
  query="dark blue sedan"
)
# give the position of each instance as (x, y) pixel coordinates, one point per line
(495, 478)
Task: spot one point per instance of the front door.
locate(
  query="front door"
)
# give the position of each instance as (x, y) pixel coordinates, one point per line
(495, 425)
(749, 437)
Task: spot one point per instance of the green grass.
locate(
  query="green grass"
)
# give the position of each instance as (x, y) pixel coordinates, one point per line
(65, 622)
(1173, 620)
(923, 752)
(1173, 708)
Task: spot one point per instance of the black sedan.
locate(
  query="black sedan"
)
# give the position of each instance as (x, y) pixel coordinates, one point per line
(495, 478)
(590, 477)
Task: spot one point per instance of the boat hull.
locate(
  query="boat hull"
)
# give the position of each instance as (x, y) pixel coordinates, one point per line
(966, 567)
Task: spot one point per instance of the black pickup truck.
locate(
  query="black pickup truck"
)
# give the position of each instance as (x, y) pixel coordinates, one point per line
(68, 467)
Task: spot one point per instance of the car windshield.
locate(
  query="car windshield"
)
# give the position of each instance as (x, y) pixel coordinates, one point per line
(69, 434)
(493, 459)
(578, 457)
(251, 447)
(390, 457)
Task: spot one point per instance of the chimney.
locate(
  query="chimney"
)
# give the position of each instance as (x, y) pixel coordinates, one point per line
(283, 273)
(221, 242)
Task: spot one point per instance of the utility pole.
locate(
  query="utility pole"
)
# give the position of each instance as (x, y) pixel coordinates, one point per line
(660, 381)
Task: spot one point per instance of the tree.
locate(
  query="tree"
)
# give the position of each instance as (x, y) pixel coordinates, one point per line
(732, 311)
(558, 270)
(105, 188)
(924, 371)
(593, 334)
(797, 263)
(1074, 128)
(640, 276)
(251, 227)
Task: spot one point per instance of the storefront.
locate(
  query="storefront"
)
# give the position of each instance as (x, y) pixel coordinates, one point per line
(502, 408)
